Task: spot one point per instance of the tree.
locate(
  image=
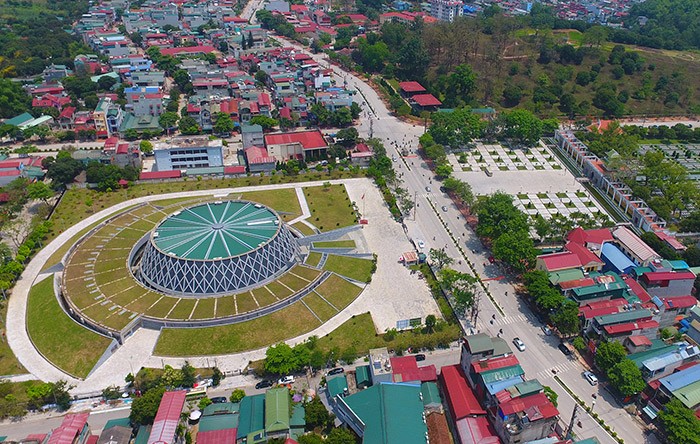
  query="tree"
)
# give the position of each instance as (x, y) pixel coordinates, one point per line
(216, 377)
(223, 124)
(347, 137)
(341, 436)
(440, 258)
(316, 414)
(498, 215)
(13, 99)
(515, 248)
(63, 170)
(188, 126)
(460, 285)
(267, 123)
(237, 395)
(144, 408)
(679, 423)
(608, 354)
(566, 319)
(430, 322)
(310, 438)
(168, 120)
(443, 170)
(146, 147)
(280, 359)
(551, 395)
(522, 125)
(461, 83)
(204, 403)
(188, 375)
(341, 117)
(112, 392)
(626, 377)
(39, 190)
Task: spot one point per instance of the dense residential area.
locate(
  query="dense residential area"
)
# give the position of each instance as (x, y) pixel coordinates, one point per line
(361, 221)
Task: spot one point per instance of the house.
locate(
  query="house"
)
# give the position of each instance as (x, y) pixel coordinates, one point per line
(67, 118)
(424, 102)
(615, 260)
(144, 101)
(603, 287)
(409, 89)
(53, 73)
(446, 10)
(481, 347)
(591, 239)
(251, 421)
(108, 117)
(188, 152)
(665, 364)
(277, 412)
(116, 431)
(599, 323)
(668, 283)
(380, 365)
(294, 145)
(51, 101)
(669, 309)
(167, 418)
(389, 413)
(405, 369)
(361, 155)
(259, 160)
(252, 135)
(633, 247)
(74, 429)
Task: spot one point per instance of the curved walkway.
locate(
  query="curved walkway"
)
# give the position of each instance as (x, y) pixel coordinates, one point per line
(137, 350)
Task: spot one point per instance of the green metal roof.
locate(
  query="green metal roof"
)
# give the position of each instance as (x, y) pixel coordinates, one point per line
(362, 376)
(221, 408)
(526, 388)
(392, 413)
(653, 352)
(479, 343)
(252, 416)
(205, 170)
(502, 373)
(19, 120)
(216, 230)
(119, 422)
(622, 317)
(556, 277)
(298, 418)
(142, 435)
(218, 422)
(337, 385)
(689, 395)
(431, 394)
(277, 410)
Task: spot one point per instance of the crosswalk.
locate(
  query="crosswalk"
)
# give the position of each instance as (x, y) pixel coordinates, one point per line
(560, 368)
(508, 320)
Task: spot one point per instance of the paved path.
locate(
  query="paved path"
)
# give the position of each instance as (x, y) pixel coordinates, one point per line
(382, 234)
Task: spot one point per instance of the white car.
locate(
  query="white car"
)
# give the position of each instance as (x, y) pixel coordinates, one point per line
(592, 379)
(519, 344)
(421, 244)
(286, 380)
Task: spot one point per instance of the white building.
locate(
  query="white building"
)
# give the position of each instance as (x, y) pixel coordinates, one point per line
(446, 10)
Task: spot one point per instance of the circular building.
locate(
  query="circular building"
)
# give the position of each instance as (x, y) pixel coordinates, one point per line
(217, 248)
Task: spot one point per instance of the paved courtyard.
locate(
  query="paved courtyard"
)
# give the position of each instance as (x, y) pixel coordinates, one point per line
(499, 158)
(564, 203)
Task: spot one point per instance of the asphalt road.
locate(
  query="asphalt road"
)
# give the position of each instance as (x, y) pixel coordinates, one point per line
(542, 357)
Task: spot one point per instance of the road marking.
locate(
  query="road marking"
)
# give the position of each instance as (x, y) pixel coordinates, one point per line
(511, 319)
(560, 368)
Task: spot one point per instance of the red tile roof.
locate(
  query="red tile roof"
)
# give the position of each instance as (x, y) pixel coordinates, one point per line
(69, 429)
(460, 397)
(680, 301)
(585, 256)
(67, 112)
(670, 240)
(495, 363)
(537, 406)
(149, 175)
(630, 326)
(581, 236)
(656, 277)
(111, 142)
(426, 100)
(576, 283)
(167, 418)
(637, 289)
(206, 49)
(476, 430)
(309, 140)
(560, 261)
(600, 308)
(258, 155)
(638, 340)
(237, 169)
(226, 436)
(405, 368)
(411, 87)
(123, 148)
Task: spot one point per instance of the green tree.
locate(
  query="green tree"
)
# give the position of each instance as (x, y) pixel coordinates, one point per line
(430, 322)
(443, 170)
(188, 126)
(566, 319)
(551, 395)
(144, 408)
(498, 215)
(341, 436)
(461, 84)
(522, 125)
(237, 395)
(440, 258)
(63, 170)
(515, 248)
(204, 403)
(223, 124)
(267, 123)
(341, 117)
(39, 190)
(146, 147)
(626, 377)
(172, 377)
(168, 120)
(679, 424)
(310, 438)
(608, 354)
(316, 414)
(280, 359)
(188, 375)
(13, 99)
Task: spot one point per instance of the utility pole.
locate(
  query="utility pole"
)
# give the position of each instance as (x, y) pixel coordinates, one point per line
(371, 127)
(570, 430)
(415, 202)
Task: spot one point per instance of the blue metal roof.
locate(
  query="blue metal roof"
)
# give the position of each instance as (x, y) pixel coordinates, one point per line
(680, 379)
(615, 259)
(497, 386)
(679, 265)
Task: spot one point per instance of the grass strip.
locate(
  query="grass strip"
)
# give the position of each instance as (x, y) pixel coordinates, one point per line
(351, 267)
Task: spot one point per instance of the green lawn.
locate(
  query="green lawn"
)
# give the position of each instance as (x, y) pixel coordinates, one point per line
(338, 291)
(310, 274)
(313, 259)
(335, 244)
(330, 207)
(69, 346)
(250, 335)
(183, 309)
(322, 309)
(304, 229)
(354, 268)
(283, 201)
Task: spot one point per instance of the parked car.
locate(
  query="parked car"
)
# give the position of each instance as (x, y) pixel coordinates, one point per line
(444, 208)
(519, 344)
(266, 383)
(289, 379)
(421, 244)
(219, 400)
(428, 189)
(592, 379)
(336, 371)
(420, 357)
(565, 349)
(547, 331)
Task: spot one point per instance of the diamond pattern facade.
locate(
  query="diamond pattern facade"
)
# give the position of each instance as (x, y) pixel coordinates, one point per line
(181, 276)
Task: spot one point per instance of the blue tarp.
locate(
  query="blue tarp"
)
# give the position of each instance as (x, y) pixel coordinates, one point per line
(615, 260)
